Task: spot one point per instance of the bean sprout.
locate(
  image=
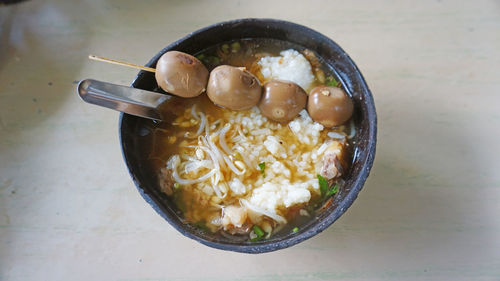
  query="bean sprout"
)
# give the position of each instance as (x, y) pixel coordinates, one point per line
(214, 149)
(232, 167)
(202, 123)
(335, 135)
(175, 160)
(256, 209)
(222, 139)
(196, 165)
(352, 132)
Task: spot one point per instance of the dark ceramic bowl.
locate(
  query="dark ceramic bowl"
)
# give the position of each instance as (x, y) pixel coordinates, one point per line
(353, 83)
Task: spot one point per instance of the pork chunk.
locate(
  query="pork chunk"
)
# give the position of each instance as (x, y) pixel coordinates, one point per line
(332, 166)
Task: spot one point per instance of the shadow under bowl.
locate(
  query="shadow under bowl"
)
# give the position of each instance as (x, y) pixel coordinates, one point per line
(333, 56)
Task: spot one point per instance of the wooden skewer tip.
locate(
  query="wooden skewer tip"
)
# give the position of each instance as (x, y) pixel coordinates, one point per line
(122, 63)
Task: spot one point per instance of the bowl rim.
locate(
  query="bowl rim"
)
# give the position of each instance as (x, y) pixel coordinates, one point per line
(344, 204)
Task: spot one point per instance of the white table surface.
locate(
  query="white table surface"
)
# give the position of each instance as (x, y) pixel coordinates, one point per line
(429, 210)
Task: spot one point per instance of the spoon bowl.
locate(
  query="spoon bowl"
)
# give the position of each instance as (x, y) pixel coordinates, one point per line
(125, 99)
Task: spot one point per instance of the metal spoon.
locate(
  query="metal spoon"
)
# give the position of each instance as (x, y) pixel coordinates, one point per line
(122, 98)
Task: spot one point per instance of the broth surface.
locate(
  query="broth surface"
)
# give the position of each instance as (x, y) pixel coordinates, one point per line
(274, 157)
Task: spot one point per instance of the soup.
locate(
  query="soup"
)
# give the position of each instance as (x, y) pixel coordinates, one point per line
(239, 173)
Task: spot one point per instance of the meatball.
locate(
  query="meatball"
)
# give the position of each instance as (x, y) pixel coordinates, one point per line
(233, 87)
(181, 74)
(282, 100)
(329, 106)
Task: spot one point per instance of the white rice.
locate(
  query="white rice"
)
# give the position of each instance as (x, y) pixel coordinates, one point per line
(290, 65)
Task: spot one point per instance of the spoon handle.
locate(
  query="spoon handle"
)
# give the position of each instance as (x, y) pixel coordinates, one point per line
(125, 99)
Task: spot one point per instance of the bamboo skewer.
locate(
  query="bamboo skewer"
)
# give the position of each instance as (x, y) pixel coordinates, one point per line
(123, 63)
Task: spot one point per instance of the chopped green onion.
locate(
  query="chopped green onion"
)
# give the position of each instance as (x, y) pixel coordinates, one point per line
(225, 48)
(323, 185)
(295, 229)
(212, 60)
(176, 185)
(262, 167)
(259, 232)
(332, 82)
(326, 191)
(235, 47)
(334, 189)
(202, 226)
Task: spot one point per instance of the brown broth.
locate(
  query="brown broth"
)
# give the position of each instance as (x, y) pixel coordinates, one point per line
(165, 138)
